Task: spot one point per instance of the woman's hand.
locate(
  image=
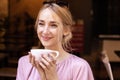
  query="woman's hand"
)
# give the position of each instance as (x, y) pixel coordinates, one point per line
(37, 65)
(48, 64)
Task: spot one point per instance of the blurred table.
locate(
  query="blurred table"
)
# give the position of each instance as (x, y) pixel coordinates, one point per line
(111, 44)
(8, 72)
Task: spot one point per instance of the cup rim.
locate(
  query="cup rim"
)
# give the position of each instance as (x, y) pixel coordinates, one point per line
(41, 49)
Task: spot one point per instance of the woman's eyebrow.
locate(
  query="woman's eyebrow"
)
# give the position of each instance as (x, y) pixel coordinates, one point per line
(54, 22)
(40, 20)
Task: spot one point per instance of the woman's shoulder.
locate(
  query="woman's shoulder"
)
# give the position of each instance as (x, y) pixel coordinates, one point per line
(24, 58)
(80, 65)
(77, 61)
(73, 60)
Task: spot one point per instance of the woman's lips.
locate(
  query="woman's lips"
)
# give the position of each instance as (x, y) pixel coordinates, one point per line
(44, 38)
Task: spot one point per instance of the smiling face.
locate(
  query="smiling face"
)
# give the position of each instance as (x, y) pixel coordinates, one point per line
(50, 29)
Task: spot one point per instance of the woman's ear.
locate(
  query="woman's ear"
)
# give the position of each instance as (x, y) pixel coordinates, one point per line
(66, 31)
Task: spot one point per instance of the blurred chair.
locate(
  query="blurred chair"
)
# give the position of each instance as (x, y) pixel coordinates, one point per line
(107, 65)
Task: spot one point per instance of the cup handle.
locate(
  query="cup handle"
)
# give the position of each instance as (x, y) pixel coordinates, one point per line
(56, 53)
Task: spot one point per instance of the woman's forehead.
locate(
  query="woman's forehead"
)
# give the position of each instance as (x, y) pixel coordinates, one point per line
(49, 15)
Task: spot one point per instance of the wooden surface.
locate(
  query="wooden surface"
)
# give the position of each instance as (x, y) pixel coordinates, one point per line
(8, 72)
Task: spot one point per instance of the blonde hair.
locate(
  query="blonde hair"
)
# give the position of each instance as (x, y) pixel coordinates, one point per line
(66, 18)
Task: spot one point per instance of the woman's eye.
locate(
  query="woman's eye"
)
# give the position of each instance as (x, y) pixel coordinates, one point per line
(40, 24)
(53, 26)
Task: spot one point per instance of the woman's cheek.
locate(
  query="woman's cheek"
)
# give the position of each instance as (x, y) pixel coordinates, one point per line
(39, 31)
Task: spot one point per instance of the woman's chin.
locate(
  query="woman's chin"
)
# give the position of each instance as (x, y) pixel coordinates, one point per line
(46, 46)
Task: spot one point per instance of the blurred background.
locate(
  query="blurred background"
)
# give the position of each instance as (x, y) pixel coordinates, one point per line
(96, 29)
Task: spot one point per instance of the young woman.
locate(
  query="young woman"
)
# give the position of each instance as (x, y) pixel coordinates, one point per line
(53, 26)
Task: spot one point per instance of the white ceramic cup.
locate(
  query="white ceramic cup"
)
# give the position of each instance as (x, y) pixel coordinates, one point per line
(38, 52)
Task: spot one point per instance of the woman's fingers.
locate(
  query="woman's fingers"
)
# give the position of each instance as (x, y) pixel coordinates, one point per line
(30, 56)
(47, 61)
(53, 58)
(31, 59)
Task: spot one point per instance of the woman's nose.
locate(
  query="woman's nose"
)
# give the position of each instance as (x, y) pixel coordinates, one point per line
(46, 30)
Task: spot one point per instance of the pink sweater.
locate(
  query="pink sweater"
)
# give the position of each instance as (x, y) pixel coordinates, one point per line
(72, 68)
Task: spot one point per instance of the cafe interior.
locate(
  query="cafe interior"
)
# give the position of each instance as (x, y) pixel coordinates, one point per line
(96, 34)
